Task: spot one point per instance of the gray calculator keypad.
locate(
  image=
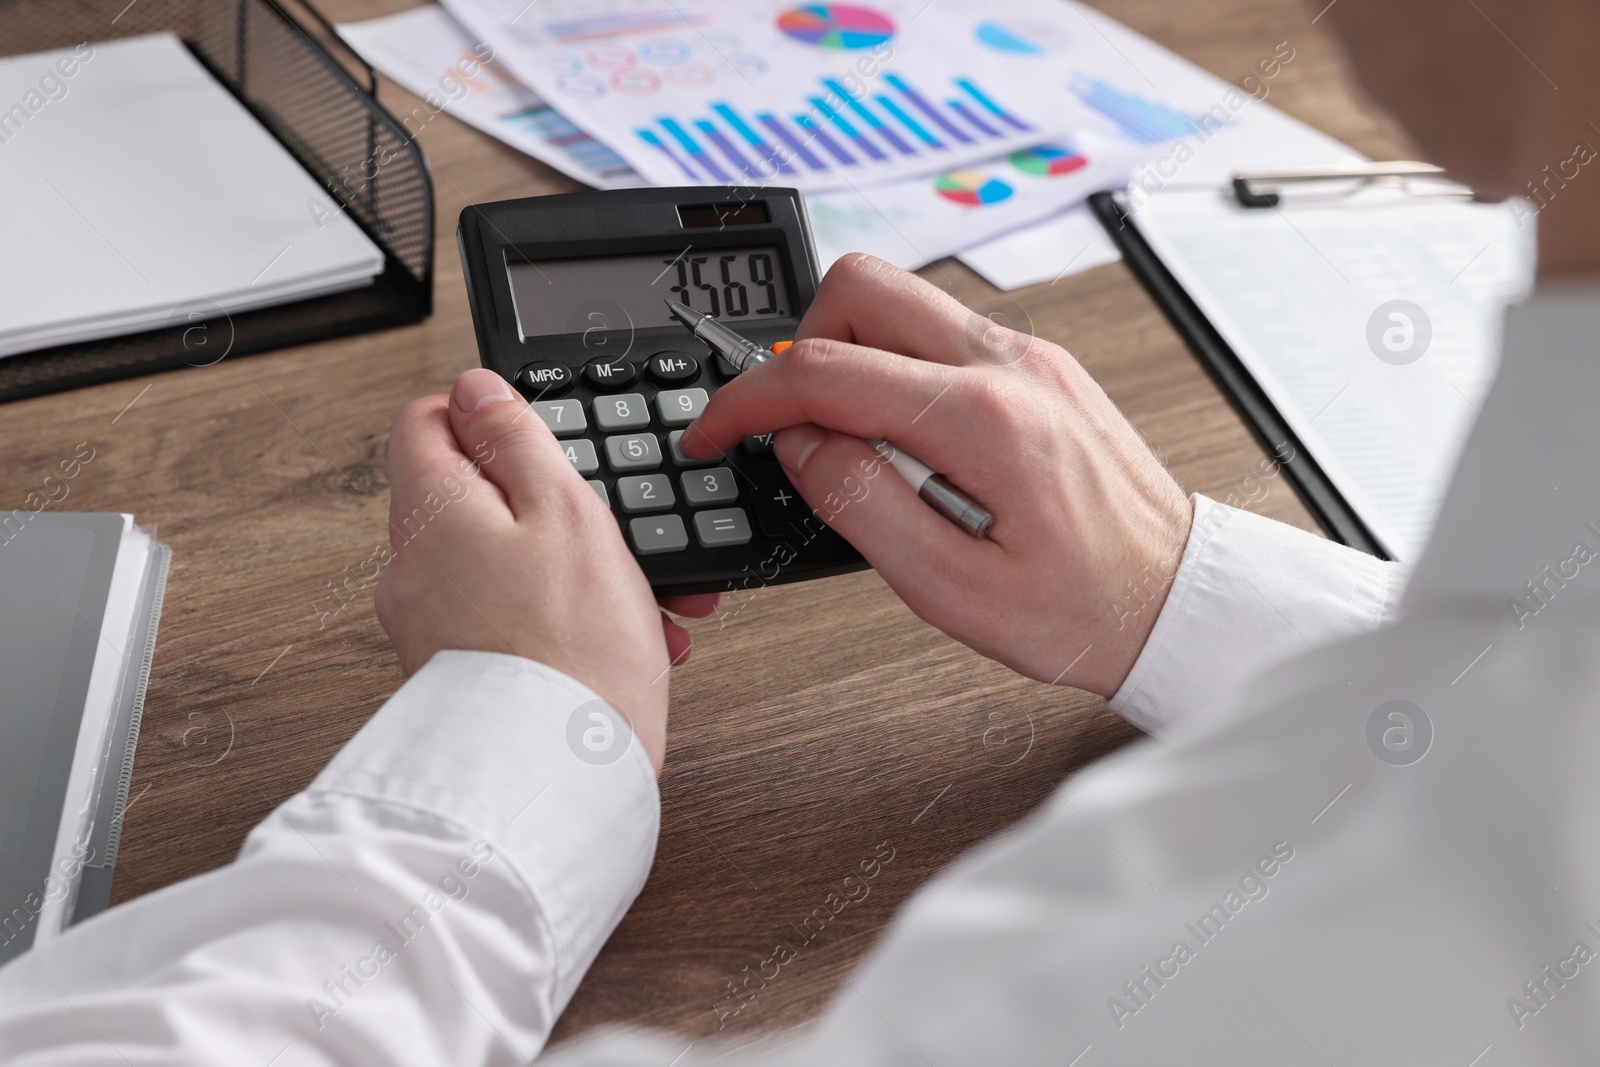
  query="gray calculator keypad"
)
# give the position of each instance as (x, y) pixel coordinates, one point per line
(632, 480)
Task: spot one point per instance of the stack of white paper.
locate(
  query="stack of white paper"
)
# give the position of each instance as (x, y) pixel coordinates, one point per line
(136, 192)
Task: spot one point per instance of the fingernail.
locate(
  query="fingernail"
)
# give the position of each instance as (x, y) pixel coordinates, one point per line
(478, 388)
(794, 445)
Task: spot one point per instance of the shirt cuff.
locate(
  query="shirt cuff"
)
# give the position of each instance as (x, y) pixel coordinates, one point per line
(1249, 593)
(536, 763)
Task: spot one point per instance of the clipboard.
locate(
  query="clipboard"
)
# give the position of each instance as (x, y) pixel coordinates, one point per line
(1316, 491)
(1356, 323)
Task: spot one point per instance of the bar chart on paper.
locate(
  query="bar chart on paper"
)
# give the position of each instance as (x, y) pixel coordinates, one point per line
(1140, 120)
(836, 137)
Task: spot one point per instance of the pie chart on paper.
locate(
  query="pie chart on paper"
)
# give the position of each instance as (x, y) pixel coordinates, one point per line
(1048, 161)
(972, 188)
(840, 27)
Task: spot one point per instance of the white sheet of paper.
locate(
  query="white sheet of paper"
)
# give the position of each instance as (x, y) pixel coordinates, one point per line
(704, 91)
(912, 223)
(1067, 243)
(138, 189)
(432, 55)
(1304, 296)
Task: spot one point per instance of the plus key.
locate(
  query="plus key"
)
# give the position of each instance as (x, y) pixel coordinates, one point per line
(780, 511)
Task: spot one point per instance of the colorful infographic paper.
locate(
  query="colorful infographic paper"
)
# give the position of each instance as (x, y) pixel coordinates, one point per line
(816, 96)
(909, 223)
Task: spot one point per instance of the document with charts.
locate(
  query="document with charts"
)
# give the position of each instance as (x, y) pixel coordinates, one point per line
(816, 96)
(909, 222)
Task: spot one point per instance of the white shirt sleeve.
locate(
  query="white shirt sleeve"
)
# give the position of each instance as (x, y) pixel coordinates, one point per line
(1248, 593)
(434, 897)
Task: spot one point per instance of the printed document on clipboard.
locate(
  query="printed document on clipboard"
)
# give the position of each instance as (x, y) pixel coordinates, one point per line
(1367, 321)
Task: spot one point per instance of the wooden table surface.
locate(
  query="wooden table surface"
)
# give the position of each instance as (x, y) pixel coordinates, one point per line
(858, 727)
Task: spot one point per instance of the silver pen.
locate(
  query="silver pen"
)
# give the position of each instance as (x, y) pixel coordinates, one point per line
(933, 488)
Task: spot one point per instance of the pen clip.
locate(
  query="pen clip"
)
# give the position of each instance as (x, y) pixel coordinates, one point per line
(1250, 192)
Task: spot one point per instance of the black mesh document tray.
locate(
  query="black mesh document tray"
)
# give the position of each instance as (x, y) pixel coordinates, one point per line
(328, 119)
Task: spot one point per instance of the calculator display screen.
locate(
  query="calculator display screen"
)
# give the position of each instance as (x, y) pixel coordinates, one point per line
(563, 296)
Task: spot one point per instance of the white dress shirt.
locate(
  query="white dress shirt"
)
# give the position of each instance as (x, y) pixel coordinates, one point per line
(1279, 879)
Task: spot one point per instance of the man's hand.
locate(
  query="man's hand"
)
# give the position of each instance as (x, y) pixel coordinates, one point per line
(498, 545)
(1081, 507)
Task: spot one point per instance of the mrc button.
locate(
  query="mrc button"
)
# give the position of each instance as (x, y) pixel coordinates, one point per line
(546, 379)
(670, 368)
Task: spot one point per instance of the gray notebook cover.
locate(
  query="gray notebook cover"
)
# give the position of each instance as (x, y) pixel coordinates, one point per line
(55, 578)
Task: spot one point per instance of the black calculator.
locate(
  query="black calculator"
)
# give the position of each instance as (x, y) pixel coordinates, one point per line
(568, 299)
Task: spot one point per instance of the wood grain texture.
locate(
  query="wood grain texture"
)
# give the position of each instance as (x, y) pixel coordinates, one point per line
(813, 725)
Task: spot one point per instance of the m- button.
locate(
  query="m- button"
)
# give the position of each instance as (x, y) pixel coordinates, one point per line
(609, 374)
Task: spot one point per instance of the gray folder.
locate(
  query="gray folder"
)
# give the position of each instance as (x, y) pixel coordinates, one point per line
(56, 574)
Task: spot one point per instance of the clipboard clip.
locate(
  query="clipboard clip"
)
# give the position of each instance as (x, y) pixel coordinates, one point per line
(1249, 186)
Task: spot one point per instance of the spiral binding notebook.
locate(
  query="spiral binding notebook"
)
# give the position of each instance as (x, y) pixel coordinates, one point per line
(80, 595)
